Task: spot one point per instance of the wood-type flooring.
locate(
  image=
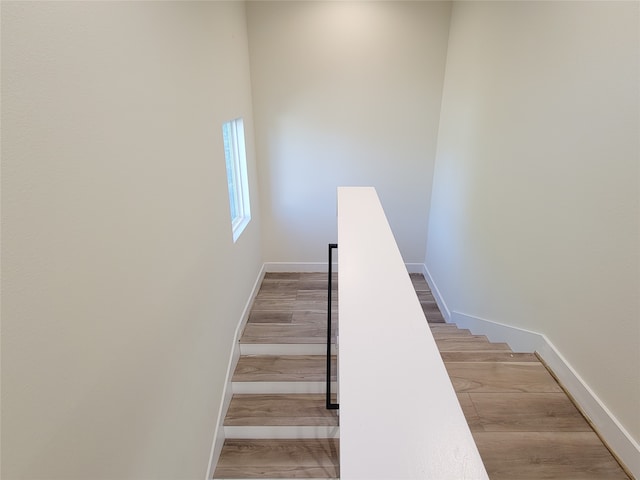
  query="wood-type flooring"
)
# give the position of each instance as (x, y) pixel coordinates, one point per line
(523, 423)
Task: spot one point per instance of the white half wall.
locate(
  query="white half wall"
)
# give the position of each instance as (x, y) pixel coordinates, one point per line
(121, 285)
(426, 435)
(345, 93)
(535, 210)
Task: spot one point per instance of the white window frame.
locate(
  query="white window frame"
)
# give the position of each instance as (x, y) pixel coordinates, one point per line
(237, 180)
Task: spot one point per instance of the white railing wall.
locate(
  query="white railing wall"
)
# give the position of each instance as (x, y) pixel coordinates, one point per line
(399, 415)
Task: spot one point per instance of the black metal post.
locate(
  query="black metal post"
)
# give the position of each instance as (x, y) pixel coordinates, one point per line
(330, 405)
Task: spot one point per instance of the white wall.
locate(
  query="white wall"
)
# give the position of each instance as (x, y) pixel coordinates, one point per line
(121, 284)
(535, 208)
(345, 93)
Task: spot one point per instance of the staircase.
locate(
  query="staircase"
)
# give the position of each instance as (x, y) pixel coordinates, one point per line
(524, 424)
(277, 425)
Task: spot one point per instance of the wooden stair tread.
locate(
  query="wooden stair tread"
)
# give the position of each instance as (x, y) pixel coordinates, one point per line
(449, 333)
(318, 319)
(298, 458)
(425, 296)
(419, 283)
(523, 423)
(487, 356)
(269, 316)
(281, 368)
(521, 412)
(301, 317)
(269, 333)
(451, 328)
(280, 410)
(274, 301)
(453, 335)
(434, 317)
(472, 343)
(555, 455)
(501, 377)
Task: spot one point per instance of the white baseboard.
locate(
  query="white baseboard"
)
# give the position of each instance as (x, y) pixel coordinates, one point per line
(218, 435)
(272, 267)
(520, 340)
(605, 423)
(414, 267)
(436, 294)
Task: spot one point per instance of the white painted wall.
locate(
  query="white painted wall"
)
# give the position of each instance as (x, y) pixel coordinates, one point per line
(121, 284)
(345, 93)
(535, 208)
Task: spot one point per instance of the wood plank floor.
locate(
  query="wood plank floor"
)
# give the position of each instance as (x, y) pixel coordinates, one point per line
(281, 368)
(290, 310)
(280, 409)
(524, 424)
(288, 458)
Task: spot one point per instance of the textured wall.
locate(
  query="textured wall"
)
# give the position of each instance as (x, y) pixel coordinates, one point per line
(345, 93)
(121, 285)
(535, 209)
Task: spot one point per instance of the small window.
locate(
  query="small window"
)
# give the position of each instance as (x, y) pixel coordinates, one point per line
(236, 159)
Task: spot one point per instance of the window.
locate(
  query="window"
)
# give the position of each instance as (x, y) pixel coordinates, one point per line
(236, 159)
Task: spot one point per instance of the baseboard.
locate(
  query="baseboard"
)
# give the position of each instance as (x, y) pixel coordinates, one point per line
(604, 422)
(218, 436)
(436, 294)
(520, 340)
(414, 267)
(272, 267)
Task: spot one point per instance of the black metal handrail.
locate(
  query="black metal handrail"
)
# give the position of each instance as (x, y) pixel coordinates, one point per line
(330, 405)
